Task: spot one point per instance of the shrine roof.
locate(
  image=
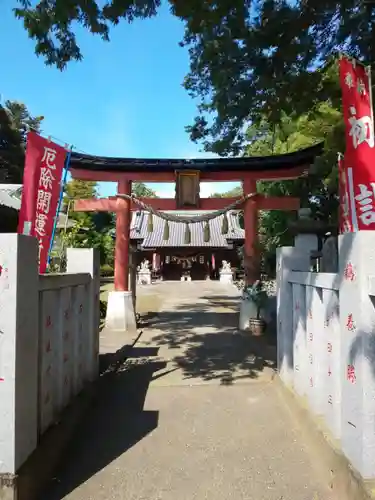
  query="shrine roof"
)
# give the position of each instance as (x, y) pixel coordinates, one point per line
(11, 195)
(245, 163)
(139, 231)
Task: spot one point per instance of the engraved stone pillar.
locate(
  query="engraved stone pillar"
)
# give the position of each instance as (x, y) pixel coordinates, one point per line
(19, 317)
(87, 260)
(357, 320)
(287, 259)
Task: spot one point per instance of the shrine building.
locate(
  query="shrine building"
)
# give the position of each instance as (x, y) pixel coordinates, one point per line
(174, 258)
(187, 176)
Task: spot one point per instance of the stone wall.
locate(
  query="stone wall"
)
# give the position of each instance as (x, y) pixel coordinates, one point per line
(326, 341)
(49, 342)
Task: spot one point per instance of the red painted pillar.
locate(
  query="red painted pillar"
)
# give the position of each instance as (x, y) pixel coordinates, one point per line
(251, 233)
(122, 238)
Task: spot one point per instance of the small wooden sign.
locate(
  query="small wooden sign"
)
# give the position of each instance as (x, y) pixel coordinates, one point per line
(187, 189)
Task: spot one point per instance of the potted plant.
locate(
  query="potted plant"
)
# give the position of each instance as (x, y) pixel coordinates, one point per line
(258, 296)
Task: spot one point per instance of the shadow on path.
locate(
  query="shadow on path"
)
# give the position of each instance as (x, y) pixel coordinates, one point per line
(203, 340)
(116, 423)
(198, 340)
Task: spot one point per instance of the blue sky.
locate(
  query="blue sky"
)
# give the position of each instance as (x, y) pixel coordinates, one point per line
(124, 99)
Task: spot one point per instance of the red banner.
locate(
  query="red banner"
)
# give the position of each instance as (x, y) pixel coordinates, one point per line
(44, 164)
(359, 161)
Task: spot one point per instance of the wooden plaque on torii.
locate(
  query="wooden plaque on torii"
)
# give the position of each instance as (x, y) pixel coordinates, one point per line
(187, 189)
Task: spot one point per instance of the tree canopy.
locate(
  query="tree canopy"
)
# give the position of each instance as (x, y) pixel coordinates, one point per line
(141, 190)
(264, 74)
(94, 229)
(237, 191)
(51, 24)
(91, 229)
(255, 61)
(249, 59)
(317, 191)
(15, 120)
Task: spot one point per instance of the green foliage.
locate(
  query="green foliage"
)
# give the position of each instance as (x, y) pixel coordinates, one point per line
(82, 235)
(21, 119)
(91, 230)
(253, 61)
(51, 24)
(77, 189)
(317, 191)
(267, 63)
(232, 193)
(257, 294)
(12, 153)
(14, 123)
(106, 270)
(141, 190)
(250, 60)
(103, 309)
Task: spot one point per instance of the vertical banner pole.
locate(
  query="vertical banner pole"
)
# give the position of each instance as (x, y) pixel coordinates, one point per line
(63, 183)
(346, 202)
(369, 76)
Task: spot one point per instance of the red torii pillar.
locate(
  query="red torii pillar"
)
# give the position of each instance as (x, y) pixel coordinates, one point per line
(123, 219)
(251, 254)
(120, 307)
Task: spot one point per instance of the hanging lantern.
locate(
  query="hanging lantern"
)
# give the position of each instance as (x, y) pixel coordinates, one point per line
(206, 232)
(187, 234)
(150, 222)
(225, 225)
(166, 231)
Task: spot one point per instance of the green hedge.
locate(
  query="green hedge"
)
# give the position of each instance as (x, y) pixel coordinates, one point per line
(106, 271)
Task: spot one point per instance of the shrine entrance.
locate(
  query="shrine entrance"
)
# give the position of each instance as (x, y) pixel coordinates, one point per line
(197, 257)
(198, 214)
(180, 268)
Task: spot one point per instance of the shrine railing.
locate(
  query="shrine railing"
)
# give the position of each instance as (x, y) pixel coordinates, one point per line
(326, 339)
(316, 342)
(67, 342)
(49, 342)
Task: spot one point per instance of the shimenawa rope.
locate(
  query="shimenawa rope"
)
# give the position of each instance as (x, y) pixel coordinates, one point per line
(168, 217)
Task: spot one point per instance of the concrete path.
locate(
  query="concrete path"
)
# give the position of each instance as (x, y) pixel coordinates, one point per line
(193, 414)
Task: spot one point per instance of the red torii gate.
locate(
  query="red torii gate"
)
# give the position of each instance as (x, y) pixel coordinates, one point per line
(124, 171)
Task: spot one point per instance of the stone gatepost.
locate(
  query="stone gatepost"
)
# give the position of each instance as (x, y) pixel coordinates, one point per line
(357, 323)
(19, 316)
(87, 260)
(292, 307)
(289, 259)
